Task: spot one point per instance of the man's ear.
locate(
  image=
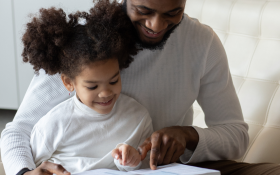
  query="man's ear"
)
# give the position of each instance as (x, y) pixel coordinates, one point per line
(68, 83)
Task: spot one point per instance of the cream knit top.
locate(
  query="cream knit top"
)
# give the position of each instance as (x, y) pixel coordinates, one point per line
(192, 66)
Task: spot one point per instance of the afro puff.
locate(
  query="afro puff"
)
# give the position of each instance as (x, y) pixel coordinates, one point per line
(59, 44)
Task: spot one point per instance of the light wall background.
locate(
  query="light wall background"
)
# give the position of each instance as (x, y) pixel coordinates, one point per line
(15, 76)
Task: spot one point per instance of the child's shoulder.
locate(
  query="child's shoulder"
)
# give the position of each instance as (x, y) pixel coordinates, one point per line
(130, 105)
(59, 115)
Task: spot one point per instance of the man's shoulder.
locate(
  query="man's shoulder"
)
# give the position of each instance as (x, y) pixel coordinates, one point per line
(195, 23)
(193, 28)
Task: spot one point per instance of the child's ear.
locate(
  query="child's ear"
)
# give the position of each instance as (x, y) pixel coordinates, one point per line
(68, 83)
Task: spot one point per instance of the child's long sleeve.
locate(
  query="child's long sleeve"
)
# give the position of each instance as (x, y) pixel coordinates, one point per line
(126, 168)
(144, 131)
(39, 147)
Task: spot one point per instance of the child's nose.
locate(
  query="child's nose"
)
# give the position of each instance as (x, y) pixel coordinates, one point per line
(105, 93)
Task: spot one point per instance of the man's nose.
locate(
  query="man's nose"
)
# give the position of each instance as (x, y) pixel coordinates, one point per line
(105, 93)
(156, 23)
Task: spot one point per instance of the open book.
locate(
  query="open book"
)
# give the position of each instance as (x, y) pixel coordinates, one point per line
(171, 169)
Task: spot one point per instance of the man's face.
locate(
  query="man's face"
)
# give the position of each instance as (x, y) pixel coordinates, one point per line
(154, 20)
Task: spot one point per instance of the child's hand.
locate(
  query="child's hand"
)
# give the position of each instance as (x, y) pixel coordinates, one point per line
(127, 155)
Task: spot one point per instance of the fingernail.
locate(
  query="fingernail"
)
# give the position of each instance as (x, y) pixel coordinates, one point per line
(139, 151)
(154, 166)
(65, 172)
(116, 156)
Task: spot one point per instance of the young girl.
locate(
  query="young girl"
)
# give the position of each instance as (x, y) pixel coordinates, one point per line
(81, 132)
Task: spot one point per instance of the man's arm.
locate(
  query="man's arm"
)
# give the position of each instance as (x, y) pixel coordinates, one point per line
(43, 94)
(227, 135)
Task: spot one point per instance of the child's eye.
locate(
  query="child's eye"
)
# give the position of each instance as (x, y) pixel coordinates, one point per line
(92, 88)
(115, 82)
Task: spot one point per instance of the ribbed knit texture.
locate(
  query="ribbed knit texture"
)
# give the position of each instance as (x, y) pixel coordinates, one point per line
(193, 65)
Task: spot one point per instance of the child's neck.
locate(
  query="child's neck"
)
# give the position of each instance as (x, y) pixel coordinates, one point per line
(79, 98)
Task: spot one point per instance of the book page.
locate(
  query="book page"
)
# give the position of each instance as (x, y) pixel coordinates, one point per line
(176, 169)
(171, 169)
(102, 172)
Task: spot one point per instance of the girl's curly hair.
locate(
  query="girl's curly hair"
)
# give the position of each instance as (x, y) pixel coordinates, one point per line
(60, 45)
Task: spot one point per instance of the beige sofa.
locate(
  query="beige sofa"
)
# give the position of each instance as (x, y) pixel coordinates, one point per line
(250, 33)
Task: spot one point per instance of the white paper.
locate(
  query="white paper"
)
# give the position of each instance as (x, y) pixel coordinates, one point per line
(171, 169)
(176, 169)
(102, 172)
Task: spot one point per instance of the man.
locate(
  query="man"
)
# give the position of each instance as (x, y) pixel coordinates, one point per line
(182, 61)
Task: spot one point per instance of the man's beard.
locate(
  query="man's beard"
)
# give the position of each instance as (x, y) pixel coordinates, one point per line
(159, 45)
(153, 46)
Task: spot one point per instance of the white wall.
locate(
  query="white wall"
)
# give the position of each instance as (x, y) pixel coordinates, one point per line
(15, 75)
(8, 72)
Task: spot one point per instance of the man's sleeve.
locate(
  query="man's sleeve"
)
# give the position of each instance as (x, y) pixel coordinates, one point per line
(227, 134)
(44, 92)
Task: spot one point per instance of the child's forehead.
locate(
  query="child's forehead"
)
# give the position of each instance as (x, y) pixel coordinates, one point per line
(100, 71)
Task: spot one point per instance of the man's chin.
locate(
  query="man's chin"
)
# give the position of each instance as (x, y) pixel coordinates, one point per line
(151, 45)
(157, 45)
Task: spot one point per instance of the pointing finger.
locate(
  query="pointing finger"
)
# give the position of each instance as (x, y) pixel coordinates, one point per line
(155, 150)
(125, 154)
(115, 153)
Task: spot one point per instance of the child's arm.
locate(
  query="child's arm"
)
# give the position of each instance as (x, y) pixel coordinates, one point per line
(146, 131)
(42, 152)
(39, 146)
(127, 158)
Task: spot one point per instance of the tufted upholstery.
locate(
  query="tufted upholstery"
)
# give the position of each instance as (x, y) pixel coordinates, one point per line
(250, 33)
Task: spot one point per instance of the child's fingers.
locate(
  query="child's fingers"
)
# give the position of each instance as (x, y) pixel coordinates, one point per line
(130, 160)
(133, 162)
(120, 161)
(136, 160)
(116, 153)
(125, 154)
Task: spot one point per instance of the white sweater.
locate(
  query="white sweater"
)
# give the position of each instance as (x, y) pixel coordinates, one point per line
(193, 65)
(80, 139)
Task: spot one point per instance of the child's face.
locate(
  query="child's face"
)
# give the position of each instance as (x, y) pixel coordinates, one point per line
(99, 85)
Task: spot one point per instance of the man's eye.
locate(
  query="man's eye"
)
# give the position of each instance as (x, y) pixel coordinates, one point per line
(92, 88)
(115, 82)
(173, 13)
(143, 12)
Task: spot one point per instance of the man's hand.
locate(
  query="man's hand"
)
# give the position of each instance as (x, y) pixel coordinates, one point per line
(168, 144)
(127, 155)
(48, 168)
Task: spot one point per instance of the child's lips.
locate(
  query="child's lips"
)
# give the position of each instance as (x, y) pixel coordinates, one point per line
(106, 103)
